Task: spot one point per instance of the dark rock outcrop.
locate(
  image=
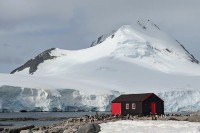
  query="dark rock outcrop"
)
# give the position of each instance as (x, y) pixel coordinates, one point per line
(89, 128)
(103, 38)
(192, 58)
(17, 130)
(1, 129)
(173, 119)
(32, 64)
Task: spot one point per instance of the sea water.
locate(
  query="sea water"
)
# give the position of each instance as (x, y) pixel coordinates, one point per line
(40, 115)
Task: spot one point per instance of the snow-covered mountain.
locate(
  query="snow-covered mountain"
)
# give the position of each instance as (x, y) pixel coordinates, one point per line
(135, 58)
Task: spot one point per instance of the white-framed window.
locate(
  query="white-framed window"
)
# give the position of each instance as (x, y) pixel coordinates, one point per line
(133, 106)
(127, 105)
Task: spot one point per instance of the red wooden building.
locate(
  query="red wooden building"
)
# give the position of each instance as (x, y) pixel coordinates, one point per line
(138, 104)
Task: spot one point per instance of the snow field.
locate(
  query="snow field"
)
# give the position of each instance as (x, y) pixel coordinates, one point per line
(148, 126)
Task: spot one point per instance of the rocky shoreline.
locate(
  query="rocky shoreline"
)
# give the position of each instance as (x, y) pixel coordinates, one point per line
(89, 124)
(69, 125)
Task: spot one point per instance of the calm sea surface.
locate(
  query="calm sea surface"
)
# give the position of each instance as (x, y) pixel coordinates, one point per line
(42, 115)
(48, 114)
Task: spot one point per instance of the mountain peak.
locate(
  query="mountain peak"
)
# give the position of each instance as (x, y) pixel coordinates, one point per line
(148, 33)
(142, 43)
(145, 24)
(142, 23)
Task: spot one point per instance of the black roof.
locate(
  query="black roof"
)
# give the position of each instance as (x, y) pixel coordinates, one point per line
(133, 97)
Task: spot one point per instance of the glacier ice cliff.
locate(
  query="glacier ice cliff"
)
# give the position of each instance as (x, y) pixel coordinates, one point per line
(15, 99)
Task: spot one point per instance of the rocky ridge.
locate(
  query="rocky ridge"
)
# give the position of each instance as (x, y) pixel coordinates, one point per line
(32, 64)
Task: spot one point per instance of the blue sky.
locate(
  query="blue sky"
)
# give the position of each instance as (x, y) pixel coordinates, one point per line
(28, 27)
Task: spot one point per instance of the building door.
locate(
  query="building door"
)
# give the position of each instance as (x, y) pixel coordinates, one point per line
(116, 108)
(153, 107)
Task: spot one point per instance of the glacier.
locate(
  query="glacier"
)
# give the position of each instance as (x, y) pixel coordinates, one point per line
(137, 58)
(181, 100)
(16, 99)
